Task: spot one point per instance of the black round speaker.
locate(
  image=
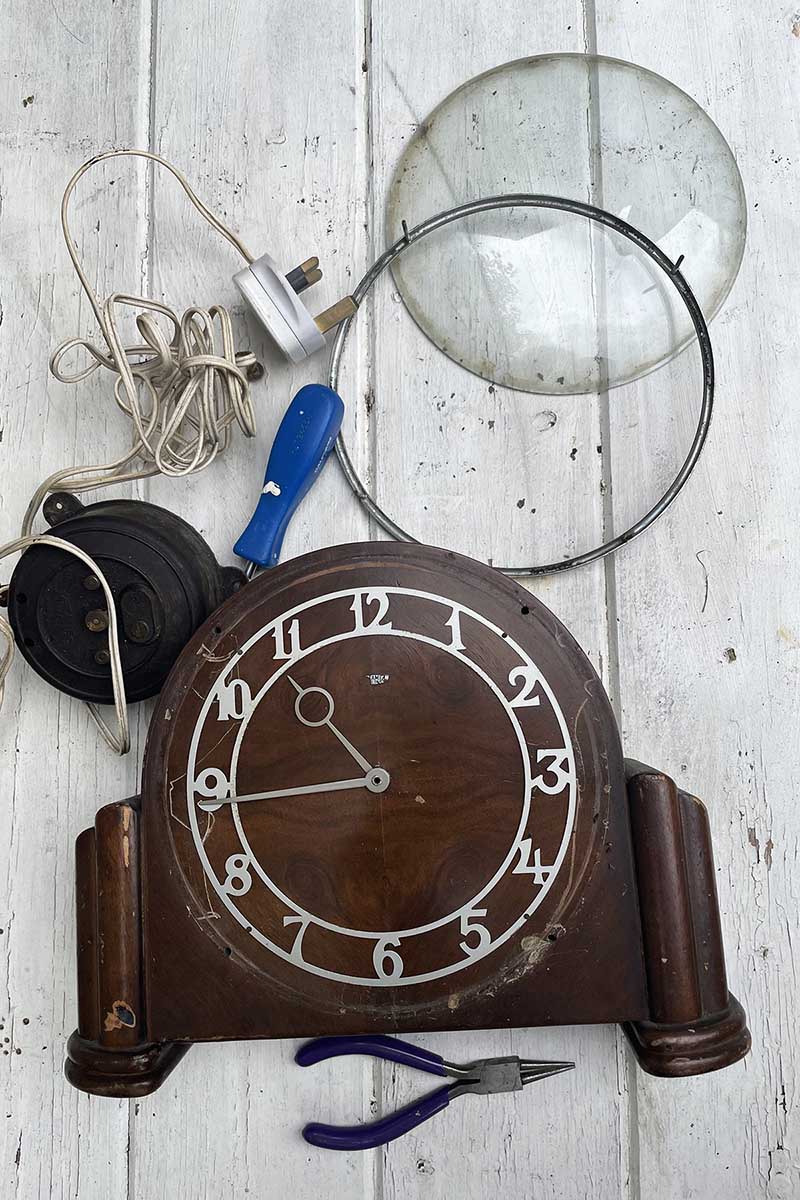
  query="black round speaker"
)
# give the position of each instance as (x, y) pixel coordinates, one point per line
(164, 579)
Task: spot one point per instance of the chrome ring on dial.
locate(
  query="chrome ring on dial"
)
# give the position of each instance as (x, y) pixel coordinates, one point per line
(600, 216)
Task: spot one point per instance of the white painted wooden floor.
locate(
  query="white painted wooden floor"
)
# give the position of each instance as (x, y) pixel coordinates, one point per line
(289, 119)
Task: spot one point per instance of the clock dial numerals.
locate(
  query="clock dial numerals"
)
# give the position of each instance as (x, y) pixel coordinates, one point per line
(370, 622)
(296, 953)
(453, 623)
(558, 773)
(388, 963)
(286, 636)
(238, 879)
(476, 936)
(524, 865)
(527, 679)
(234, 700)
(213, 784)
(332, 705)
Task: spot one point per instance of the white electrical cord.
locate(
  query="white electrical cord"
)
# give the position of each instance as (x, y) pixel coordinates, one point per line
(182, 393)
(119, 741)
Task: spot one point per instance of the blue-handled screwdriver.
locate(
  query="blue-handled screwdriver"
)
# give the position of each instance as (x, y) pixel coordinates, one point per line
(305, 438)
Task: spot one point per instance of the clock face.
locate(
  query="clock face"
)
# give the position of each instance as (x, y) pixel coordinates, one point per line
(353, 768)
(373, 773)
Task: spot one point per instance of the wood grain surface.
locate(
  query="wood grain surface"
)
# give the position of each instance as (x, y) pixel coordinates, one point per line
(289, 121)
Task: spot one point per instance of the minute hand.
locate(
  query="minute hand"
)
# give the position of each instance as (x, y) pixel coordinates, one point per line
(339, 785)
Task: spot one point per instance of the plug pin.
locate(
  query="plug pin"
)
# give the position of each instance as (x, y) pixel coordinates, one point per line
(337, 313)
(305, 275)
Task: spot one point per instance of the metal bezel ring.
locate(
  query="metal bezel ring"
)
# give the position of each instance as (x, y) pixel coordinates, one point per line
(601, 217)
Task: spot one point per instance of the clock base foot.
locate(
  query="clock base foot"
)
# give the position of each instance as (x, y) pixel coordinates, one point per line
(692, 1048)
(134, 1072)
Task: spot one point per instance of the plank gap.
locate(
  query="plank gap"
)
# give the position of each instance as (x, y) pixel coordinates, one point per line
(630, 1180)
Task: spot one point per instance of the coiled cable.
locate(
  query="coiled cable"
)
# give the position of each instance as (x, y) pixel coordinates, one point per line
(183, 392)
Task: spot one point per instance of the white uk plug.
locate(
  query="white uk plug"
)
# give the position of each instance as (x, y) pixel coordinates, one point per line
(273, 298)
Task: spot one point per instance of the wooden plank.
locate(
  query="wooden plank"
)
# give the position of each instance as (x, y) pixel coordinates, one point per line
(58, 71)
(707, 602)
(473, 452)
(263, 107)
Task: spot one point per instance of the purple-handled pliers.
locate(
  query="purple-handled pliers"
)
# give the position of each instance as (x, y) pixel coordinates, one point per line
(482, 1077)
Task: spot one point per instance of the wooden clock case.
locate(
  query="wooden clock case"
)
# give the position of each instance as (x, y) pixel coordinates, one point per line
(629, 932)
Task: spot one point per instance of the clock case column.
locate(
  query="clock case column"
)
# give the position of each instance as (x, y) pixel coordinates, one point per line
(694, 1025)
(110, 1053)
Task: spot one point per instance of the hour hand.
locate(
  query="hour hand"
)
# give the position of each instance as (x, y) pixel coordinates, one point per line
(326, 720)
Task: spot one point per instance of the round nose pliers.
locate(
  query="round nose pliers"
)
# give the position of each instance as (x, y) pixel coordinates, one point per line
(482, 1077)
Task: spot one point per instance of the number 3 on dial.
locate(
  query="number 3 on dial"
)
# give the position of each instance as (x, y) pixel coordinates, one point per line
(557, 767)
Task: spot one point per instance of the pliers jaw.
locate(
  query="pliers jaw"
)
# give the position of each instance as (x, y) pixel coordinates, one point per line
(487, 1076)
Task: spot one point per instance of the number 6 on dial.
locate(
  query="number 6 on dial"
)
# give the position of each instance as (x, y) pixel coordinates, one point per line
(381, 956)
